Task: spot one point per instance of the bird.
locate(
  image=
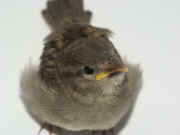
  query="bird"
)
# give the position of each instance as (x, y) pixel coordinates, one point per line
(81, 82)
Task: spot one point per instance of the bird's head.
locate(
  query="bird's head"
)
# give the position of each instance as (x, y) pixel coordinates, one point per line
(84, 60)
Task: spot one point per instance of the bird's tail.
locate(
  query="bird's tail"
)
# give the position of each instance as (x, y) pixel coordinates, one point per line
(57, 10)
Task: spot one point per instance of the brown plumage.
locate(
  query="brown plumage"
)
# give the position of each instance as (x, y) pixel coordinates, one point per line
(82, 82)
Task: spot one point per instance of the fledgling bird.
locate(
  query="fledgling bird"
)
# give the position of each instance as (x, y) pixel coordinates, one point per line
(82, 83)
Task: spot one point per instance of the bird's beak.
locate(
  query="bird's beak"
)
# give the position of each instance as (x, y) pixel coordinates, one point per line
(102, 75)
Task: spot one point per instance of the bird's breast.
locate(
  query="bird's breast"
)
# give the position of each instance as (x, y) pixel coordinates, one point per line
(80, 112)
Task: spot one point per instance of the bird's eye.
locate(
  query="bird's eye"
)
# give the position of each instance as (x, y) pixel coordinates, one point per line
(88, 70)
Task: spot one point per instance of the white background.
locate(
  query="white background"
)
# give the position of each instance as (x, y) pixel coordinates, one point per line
(145, 31)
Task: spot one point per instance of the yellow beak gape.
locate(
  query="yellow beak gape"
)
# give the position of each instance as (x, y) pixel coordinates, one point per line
(106, 74)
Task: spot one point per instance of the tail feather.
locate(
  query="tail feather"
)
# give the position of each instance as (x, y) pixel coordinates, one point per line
(57, 10)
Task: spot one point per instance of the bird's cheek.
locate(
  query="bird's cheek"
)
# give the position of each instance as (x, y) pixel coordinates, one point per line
(88, 77)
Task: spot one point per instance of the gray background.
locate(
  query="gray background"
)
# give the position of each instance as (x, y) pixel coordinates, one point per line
(145, 31)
